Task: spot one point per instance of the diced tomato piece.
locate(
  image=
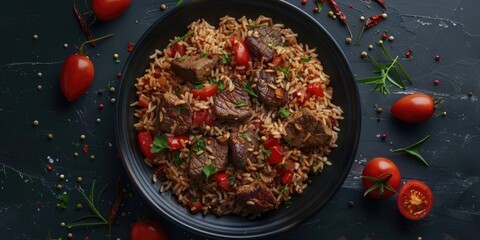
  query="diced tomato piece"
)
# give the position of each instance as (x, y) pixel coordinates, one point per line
(205, 92)
(286, 177)
(315, 89)
(277, 60)
(223, 181)
(202, 116)
(270, 142)
(302, 96)
(143, 100)
(175, 142)
(145, 142)
(196, 207)
(240, 51)
(177, 48)
(276, 155)
(257, 123)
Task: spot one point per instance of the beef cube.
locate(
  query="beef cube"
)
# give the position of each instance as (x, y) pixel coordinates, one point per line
(263, 45)
(232, 105)
(177, 117)
(213, 153)
(239, 144)
(255, 197)
(193, 68)
(268, 96)
(304, 122)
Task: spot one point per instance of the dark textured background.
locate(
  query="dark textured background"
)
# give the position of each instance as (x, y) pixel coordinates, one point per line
(430, 27)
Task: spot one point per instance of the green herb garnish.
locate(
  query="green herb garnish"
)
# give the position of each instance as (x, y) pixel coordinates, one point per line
(179, 2)
(248, 87)
(285, 71)
(177, 160)
(209, 170)
(179, 109)
(63, 201)
(244, 136)
(319, 6)
(232, 181)
(253, 26)
(413, 150)
(198, 86)
(283, 112)
(381, 81)
(264, 151)
(188, 34)
(307, 59)
(199, 146)
(159, 143)
(220, 84)
(225, 58)
(284, 189)
(204, 54)
(240, 104)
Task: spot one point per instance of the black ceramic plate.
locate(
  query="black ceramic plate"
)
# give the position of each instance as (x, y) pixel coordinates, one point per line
(323, 186)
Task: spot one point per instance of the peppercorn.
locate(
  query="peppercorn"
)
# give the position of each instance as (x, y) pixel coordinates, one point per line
(62, 224)
(39, 87)
(100, 106)
(70, 235)
(379, 110)
(391, 38)
(436, 82)
(362, 18)
(79, 206)
(35, 36)
(437, 58)
(331, 14)
(75, 154)
(348, 40)
(315, 9)
(470, 94)
(444, 114)
(61, 176)
(384, 36)
(384, 15)
(100, 92)
(82, 137)
(50, 136)
(39, 74)
(380, 42)
(92, 157)
(163, 7)
(112, 100)
(383, 136)
(65, 45)
(99, 120)
(364, 54)
(59, 186)
(350, 204)
(304, 2)
(35, 122)
(370, 47)
(115, 56)
(112, 89)
(79, 179)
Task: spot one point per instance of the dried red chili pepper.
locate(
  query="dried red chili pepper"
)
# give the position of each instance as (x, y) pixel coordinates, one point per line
(84, 25)
(371, 22)
(340, 15)
(381, 3)
(118, 201)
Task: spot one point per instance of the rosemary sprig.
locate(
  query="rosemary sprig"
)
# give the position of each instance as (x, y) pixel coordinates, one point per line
(413, 150)
(97, 218)
(179, 2)
(383, 80)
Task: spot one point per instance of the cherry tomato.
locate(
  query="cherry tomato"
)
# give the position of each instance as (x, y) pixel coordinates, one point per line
(270, 142)
(106, 10)
(415, 200)
(277, 60)
(276, 155)
(413, 108)
(223, 180)
(143, 100)
(202, 116)
(175, 142)
(302, 96)
(286, 177)
(315, 89)
(240, 51)
(149, 230)
(145, 142)
(204, 92)
(76, 76)
(196, 207)
(375, 177)
(177, 48)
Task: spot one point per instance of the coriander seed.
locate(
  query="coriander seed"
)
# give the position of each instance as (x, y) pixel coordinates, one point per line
(330, 14)
(75, 154)
(39, 74)
(391, 38)
(115, 56)
(62, 224)
(112, 89)
(163, 7)
(370, 46)
(65, 45)
(112, 100)
(384, 15)
(39, 87)
(82, 137)
(35, 36)
(79, 179)
(348, 40)
(362, 18)
(62, 176)
(35, 122)
(99, 120)
(364, 54)
(50, 136)
(92, 157)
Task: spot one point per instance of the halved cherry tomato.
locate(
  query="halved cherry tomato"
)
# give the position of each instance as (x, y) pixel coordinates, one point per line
(143, 100)
(302, 96)
(374, 177)
(202, 116)
(148, 230)
(196, 207)
(145, 142)
(106, 10)
(286, 177)
(76, 76)
(177, 48)
(175, 142)
(277, 60)
(276, 155)
(240, 51)
(223, 181)
(413, 108)
(270, 142)
(205, 92)
(315, 89)
(415, 200)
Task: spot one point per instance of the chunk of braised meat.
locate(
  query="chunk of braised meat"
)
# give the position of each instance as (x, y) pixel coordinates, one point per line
(304, 123)
(267, 95)
(174, 115)
(207, 151)
(255, 197)
(239, 144)
(232, 105)
(193, 68)
(263, 45)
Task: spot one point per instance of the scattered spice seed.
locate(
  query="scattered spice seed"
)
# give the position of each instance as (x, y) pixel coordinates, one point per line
(380, 42)
(82, 137)
(112, 89)
(391, 38)
(384, 36)
(101, 106)
(50, 136)
(49, 167)
(70, 235)
(437, 58)
(119, 74)
(408, 54)
(35, 36)
(330, 14)
(362, 18)
(383, 136)
(75, 154)
(348, 40)
(92, 157)
(436, 82)
(384, 15)
(79, 179)
(378, 109)
(370, 46)
(364, 54)
(163, 7)
(62, 224)
(304, 2)
(100, 92)
(59, 186)
(62, 176)
(39, 74)
(99, 120)
(39, 87)
(315, 9)
(350, 204)
(79, 206)
(470, 94)
(444, 114)
(112, 100)
(65, 45)
(35, 122)
(130, 46)
(85, 148)
(115, 56)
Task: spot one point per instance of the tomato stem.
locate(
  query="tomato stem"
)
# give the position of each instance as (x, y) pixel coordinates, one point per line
(380, 184)
(93, 40)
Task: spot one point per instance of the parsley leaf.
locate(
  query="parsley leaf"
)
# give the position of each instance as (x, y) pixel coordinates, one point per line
(248, 87)
(177, 160)
(226, 58)
(63, 201)
(219, 83)
(198, 86)
(283, 112)
(204, 54)
(159, 143)
(285, 71)
(307, 59)
(240, 104)
(209, 170)
(199, 146)
(264, 151)
(244, 136)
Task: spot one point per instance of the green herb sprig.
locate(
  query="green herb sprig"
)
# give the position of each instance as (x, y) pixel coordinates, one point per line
(248, 87)
(96, 218)
(413, 150)
(382, 80)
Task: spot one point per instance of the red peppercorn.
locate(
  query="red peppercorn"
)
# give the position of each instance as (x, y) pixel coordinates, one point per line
(130, 46)
(436, 81)
(48, 167)
(408, 53)
(437, 58)
(350, 5)
(383, 136)
(315, 9)
(119, 74)
(384, 36)
(101, 106)
(304, 2)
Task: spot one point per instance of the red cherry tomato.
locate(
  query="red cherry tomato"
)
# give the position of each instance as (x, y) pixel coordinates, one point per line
(143, 100)
(286, 177)
(240, 51)
(149, 230)
(270, 142)
(276, 155)
(315, 89)
(106, 10)
(204, 92)
(374, 177)
(177, 48)
(302, 96)
(415, 200)
(202, 116)
(277, 60)
(413, 108)
(145, 142)
(196, 207)
(223, 180)
(76, 76)
(175, 142)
